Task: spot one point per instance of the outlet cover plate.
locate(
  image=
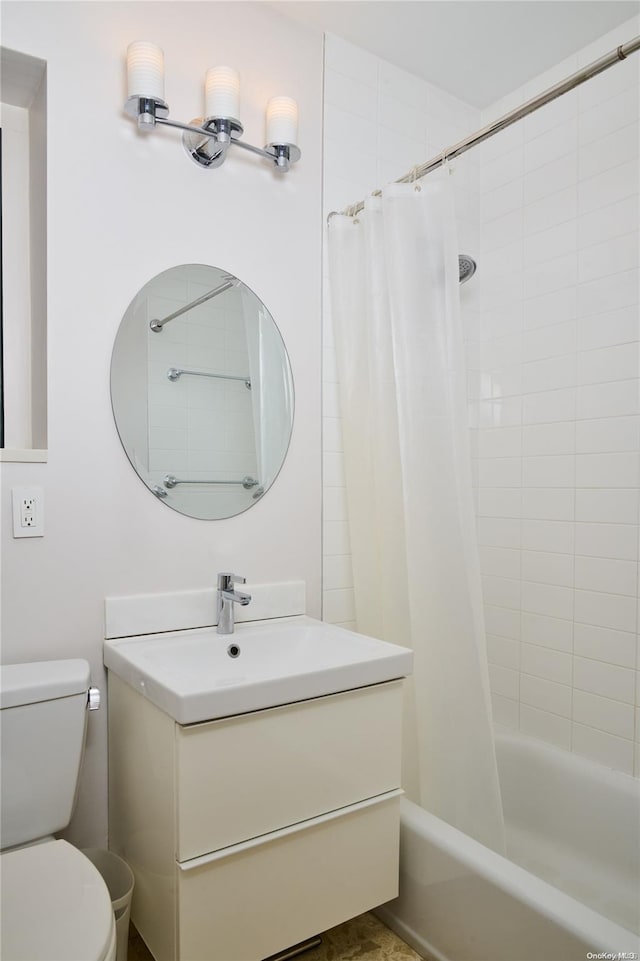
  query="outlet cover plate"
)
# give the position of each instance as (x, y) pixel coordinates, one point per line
(28, 511)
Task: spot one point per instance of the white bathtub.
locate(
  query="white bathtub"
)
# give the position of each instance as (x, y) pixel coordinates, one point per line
(573, 829)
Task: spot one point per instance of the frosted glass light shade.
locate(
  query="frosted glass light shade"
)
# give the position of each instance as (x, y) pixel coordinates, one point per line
(222, 88)
(145, 70)
(282, 120)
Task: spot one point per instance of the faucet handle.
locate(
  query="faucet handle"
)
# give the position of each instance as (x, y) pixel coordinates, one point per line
(227, 580)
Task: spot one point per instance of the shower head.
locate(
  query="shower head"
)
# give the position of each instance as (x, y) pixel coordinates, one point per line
(466, 267)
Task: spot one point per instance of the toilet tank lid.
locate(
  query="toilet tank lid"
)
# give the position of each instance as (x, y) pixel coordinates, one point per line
(42, 681)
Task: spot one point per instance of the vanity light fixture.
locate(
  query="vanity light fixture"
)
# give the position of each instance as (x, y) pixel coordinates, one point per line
(207, 139)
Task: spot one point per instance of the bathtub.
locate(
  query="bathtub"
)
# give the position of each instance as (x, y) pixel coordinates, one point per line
(570, 890)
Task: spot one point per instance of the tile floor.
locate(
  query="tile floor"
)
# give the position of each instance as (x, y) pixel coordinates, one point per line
(362, 939)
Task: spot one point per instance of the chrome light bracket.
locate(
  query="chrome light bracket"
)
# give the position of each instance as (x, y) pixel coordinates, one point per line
(209, 148)
(207, 139)
(283, 154)
(146, 111)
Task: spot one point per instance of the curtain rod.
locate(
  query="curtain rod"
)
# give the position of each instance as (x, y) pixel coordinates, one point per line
(592, 70)
(157, 325)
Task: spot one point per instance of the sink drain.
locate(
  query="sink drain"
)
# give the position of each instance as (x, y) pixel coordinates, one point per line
(233, 650)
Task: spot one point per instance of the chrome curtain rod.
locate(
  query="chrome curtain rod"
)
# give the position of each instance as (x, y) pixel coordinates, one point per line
(564, 86)
(247, 482)
(175, 372)
(157, 325)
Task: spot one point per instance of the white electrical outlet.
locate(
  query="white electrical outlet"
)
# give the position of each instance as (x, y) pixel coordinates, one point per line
(28, 511)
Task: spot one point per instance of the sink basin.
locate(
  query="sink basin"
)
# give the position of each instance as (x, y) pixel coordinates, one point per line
(193, 675)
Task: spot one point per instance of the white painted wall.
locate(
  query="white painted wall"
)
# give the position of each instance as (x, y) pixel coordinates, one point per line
(122, 208)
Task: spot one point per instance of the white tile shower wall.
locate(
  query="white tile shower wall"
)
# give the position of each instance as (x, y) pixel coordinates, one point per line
(553, 336)
(200, 427)
(379, 121)
(554, 405)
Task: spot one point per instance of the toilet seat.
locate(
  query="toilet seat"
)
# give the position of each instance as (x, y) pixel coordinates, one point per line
(55, 906)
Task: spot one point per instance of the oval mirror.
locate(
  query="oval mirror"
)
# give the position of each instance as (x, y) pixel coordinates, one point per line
(202, 391)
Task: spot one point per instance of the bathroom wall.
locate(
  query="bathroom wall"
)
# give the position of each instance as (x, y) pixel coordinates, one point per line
(379, 122)
(554, 387)
(123, 207)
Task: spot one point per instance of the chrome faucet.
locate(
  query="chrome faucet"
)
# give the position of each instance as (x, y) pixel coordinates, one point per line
(226, 598)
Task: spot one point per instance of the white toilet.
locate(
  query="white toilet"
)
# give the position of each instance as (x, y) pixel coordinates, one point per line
(55, 905)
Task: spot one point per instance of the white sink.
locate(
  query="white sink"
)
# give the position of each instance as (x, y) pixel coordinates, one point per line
(192, 676)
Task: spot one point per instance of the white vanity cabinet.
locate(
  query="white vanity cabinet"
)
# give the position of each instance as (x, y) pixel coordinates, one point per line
(248, 834)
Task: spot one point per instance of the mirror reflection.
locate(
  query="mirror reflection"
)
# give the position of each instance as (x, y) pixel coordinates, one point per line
(202, 391)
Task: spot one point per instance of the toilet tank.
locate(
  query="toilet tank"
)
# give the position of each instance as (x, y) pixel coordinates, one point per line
(43, 710)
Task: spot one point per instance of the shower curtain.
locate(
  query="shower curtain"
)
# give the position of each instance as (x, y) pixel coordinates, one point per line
(395, 309)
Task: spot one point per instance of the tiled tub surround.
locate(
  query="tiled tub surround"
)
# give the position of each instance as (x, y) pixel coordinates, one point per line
(553, 383)
(552, 328)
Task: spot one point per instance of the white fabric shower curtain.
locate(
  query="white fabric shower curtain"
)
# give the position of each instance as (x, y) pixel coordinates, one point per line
(395, 310)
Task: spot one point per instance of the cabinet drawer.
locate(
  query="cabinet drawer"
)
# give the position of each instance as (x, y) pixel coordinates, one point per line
(257, 898)
(245, 776)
